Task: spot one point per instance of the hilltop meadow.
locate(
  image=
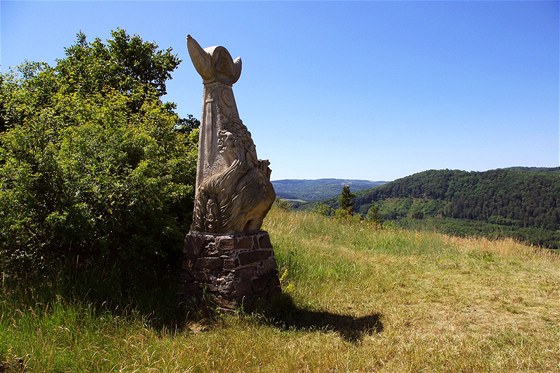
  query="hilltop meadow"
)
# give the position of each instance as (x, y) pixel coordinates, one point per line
(356, 297)
(97, 178)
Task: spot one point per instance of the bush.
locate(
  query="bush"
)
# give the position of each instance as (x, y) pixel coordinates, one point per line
(323, 209)
(93, 168)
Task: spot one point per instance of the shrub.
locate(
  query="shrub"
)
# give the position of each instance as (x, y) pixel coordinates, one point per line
(92, 164)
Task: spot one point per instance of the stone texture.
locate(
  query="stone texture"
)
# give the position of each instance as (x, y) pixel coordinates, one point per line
(229, 271)
(254, 256)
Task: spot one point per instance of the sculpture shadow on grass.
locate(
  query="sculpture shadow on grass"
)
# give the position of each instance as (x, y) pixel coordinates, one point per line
(283, 313)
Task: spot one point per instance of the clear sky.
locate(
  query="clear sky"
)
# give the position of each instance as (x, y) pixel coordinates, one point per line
(371, 90)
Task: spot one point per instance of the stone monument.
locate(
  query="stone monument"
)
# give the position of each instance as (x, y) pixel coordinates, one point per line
(228, 261)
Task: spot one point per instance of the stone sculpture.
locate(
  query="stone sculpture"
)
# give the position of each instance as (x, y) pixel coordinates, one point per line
(233, 188)
(228, 260)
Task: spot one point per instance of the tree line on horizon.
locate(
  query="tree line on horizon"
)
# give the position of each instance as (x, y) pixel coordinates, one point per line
(518, 202)
(523, 201)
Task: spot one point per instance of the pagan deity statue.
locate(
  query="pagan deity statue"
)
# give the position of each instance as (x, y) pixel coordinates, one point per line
(233, 188)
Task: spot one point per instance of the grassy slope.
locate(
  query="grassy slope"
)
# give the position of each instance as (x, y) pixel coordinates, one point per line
(364, 299)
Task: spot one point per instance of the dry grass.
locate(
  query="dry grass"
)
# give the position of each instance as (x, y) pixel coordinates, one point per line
(364, 299)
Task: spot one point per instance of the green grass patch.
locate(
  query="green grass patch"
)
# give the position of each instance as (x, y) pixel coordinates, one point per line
(356, 298)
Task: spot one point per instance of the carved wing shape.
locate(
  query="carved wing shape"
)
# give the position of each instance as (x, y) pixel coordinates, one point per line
(237, 65)
(200, 58)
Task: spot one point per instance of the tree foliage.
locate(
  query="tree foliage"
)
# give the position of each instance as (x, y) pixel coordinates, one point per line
(373, 214)
(526, 199)
(92, 165)
(345, 200)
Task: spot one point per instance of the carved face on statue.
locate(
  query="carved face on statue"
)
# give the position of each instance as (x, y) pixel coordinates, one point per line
(227, 146)
(225, 141)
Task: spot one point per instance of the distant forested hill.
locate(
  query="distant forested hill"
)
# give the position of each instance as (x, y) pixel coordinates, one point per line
(316, 190)
(521, 200)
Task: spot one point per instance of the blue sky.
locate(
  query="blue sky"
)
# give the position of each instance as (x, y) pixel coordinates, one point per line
(366, 90)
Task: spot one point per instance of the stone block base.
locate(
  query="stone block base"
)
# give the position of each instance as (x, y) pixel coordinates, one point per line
(229, 271)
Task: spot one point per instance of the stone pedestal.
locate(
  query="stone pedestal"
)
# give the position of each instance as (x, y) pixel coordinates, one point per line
(229, 271)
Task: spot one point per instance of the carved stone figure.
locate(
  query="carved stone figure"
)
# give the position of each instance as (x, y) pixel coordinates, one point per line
(228, 261)
(233, 188)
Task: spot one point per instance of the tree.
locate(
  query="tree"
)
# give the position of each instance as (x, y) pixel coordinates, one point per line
(92, 165)
(187, 125)
(373, 214)
(345, 200)
(126, 64)
(323, 209)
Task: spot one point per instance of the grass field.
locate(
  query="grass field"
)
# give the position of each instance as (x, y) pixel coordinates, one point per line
(357, 298)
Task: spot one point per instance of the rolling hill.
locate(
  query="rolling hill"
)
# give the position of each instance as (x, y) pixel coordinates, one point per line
(519, 202)
(317, 190)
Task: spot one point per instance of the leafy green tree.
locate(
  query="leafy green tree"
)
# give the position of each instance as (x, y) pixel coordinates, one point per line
(93, 167)
(373, 214)
(187, 125)
(126, 64)
(323, 209)
(345, 200)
